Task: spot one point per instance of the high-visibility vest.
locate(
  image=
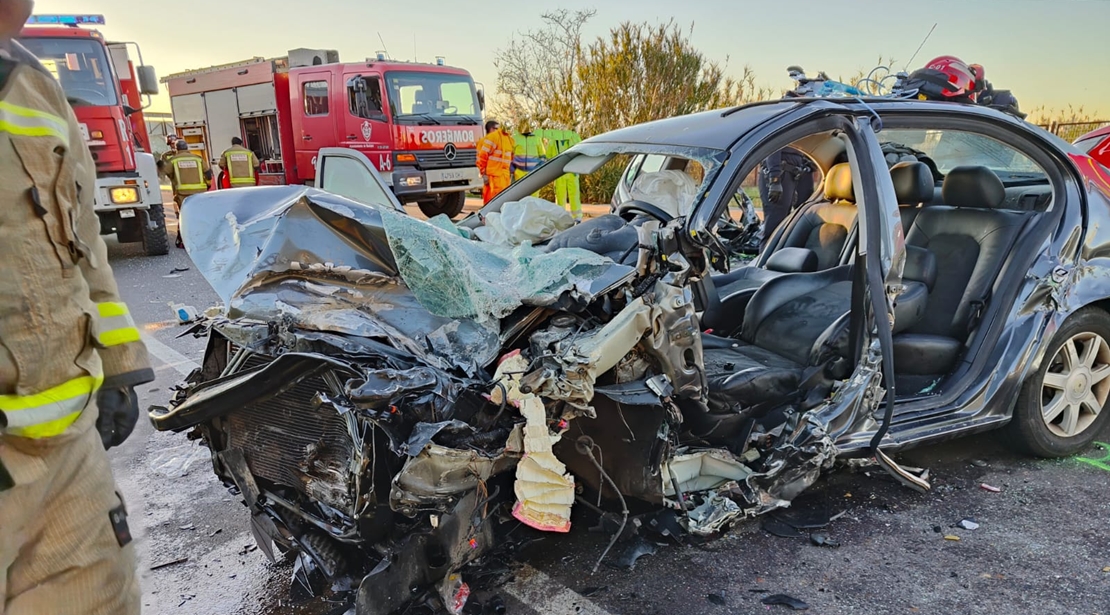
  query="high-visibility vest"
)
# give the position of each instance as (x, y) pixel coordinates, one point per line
(529, 152)
(188, 172)
(240, 163)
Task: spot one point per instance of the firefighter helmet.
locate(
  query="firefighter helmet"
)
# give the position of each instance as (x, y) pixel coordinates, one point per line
(944, 78)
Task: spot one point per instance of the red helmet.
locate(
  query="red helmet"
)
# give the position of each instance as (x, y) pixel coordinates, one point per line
(960, 77)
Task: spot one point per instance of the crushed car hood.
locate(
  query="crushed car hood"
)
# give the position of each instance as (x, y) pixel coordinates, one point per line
(316, 261)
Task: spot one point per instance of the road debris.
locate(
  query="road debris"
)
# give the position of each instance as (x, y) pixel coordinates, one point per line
(968, 524)
(635, 550)
(991, 488)
(778, 528)
(952, 537)
(821, 539)
(180, 560)
(190, 526)
(785, 600)
(717, 599)
(979, 463)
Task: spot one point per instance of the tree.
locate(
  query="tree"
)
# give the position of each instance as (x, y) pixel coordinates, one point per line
(639, 72)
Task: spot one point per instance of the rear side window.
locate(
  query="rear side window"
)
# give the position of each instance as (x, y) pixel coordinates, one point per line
(954, 148)
(315, 97)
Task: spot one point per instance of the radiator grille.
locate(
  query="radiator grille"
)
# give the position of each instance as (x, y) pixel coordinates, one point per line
(290, 442)
(437, 159)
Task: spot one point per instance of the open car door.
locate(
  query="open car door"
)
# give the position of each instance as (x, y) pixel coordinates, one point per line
(349, 173)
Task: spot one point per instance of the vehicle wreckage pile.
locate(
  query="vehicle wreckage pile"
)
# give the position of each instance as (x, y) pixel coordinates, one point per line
(384, 391)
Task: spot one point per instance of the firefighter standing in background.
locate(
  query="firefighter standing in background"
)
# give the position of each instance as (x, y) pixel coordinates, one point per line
(189, 174)
(164, 159)
(240, 164)
(529, 152)
(566, 187)
(785, 181)
(70, 357)
(495, 156)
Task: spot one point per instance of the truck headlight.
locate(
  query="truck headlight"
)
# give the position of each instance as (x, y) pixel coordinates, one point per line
(124, 195)
(415, 180)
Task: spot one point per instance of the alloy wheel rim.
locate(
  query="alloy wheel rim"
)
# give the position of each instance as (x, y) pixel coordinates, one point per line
(1075, 387)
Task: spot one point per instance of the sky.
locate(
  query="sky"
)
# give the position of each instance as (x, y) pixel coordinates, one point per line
(1053, 53)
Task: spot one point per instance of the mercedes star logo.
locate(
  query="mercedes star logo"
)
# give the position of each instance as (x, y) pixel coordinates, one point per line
(449, 151)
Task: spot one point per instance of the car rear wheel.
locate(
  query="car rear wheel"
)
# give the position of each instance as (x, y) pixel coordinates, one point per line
(449, 204)
(1062, 407)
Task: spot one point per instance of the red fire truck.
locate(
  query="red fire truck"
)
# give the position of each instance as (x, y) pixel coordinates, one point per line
(418, 123)
(105, 88)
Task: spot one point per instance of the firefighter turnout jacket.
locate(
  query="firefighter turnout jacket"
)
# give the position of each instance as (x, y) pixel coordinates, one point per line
(64, 332)
(240, 164)
(187, 171)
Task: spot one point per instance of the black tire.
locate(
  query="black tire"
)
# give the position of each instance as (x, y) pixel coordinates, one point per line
(1028, 430)
(449, 204)
(156, 241)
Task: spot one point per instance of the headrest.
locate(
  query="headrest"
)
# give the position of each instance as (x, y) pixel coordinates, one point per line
(913, 182)
(921, 266)
(838, 183)
(973, 187)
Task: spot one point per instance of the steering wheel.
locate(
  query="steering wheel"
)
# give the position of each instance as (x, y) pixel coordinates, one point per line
(630, 209)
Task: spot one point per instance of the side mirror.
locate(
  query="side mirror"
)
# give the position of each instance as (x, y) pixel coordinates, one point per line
(128, 110)
(148, 81)
(482, 100)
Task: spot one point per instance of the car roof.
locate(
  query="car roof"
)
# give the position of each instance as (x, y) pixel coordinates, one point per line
(721, 128)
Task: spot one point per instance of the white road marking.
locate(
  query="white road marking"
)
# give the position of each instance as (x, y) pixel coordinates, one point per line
(544, 594)
(183, 364)
(530, 587)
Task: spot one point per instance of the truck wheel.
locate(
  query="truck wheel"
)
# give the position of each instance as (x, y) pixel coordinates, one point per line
(1062, 406)
(155, 240)
(449, 204)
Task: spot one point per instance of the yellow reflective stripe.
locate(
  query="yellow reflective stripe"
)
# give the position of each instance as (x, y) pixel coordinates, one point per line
(115, 325)
(115, 337)
(29, 122)
(108, 309)
(50, 412)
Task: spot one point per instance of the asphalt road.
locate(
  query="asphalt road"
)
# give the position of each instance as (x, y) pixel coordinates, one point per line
(1043, 545)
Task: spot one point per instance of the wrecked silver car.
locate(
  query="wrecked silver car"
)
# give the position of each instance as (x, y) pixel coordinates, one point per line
(384, 392)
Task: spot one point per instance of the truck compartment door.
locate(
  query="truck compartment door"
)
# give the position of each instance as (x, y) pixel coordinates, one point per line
(223, 121)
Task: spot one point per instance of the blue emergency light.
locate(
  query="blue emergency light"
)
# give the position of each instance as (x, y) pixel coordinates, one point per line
(65, 20)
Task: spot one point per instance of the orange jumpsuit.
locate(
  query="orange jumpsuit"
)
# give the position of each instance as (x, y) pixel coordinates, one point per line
(495, 155)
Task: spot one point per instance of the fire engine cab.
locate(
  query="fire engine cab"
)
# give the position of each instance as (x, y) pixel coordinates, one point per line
(419, 124)
(105, 90)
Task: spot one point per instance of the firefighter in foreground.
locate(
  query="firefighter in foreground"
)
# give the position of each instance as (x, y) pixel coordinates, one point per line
(495, 157)
(240, 164)
(70, 357)
(189, 175)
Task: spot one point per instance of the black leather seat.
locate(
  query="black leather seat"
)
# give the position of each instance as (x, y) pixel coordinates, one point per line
(825, 227)
(816, 240)
(971, 242)
(797, 321)
(913, 185)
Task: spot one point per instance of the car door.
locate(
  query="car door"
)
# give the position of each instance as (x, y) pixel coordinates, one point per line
(314, 121)
(366, 125)
(349, 173)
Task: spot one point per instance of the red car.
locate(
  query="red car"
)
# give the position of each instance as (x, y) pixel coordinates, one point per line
(1097, 145)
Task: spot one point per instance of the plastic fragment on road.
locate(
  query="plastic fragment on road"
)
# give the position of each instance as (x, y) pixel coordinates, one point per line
(183, 313)
(785, 600)
(952, 537)
(544, 489)
(968, 524)
(991, 488)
